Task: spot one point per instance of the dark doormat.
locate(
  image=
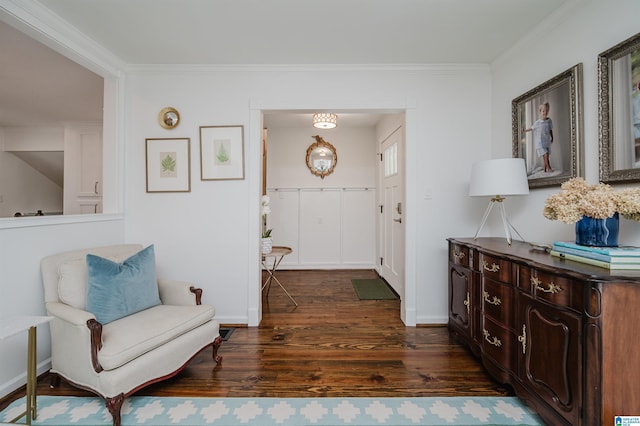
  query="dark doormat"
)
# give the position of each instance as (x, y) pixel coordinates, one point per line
(225, 332)
(373, 289)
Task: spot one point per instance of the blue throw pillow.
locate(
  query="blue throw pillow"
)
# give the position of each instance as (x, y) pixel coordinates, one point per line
(115, 290)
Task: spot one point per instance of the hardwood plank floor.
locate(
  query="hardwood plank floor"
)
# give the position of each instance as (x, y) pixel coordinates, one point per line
(331, 345)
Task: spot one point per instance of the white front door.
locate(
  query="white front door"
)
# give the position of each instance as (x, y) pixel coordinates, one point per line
(392, 209)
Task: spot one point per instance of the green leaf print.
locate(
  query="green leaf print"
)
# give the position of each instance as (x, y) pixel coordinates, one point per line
(222, 155)
(168, 164)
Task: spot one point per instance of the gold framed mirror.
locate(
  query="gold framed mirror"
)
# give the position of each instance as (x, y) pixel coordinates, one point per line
(321, 157)
(169, 118)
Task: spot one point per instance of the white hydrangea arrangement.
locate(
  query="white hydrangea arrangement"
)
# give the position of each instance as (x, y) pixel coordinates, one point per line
(577, 199)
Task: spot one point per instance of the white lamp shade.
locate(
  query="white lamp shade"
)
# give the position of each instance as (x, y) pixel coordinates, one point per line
(502, 176)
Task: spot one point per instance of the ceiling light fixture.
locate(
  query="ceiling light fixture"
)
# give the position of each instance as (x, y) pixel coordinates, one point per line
(325, 120)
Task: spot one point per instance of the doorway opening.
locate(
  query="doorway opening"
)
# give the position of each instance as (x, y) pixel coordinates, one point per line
(351, 219)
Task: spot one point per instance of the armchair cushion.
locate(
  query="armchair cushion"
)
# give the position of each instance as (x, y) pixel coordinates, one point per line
(71, 273)
(128, 338)
(118, 289)
(72, 283)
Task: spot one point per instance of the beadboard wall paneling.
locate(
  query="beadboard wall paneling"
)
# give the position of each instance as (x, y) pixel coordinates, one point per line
(358, 226)
(320, 227)
(325, 227)
(284, 221)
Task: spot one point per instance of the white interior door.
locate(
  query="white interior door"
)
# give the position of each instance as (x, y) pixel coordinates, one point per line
(392, 201)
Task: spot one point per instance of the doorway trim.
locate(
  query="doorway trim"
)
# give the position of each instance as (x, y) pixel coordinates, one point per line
(254, 175)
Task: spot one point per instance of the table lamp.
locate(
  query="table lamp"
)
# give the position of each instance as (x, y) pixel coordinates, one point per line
(497, 178)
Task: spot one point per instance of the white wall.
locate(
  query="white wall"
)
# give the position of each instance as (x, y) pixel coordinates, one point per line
(455, 116)
(33, 138)
(329, 223)
(22, 188)
(287, 149)
(25, 241)
(21, 249)
(586, 29)
(211, 234)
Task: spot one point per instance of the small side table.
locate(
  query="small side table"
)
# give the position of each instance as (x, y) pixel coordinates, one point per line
(278, 253)
(12, 326)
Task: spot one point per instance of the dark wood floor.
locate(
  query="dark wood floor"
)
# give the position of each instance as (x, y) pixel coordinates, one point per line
(331, 345)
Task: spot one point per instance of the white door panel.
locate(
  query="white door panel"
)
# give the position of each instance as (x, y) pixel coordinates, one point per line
(392, 226)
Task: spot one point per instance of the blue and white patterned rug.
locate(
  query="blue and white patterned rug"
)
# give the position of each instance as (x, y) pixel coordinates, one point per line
(141, 410)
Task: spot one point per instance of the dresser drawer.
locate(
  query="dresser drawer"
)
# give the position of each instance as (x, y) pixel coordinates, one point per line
(496, 343)
(459, 255)
(495, 268)
(555, 289)
(497, 301)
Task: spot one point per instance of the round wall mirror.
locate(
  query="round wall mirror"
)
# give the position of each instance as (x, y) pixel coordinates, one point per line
(321, 157)
(169, 118)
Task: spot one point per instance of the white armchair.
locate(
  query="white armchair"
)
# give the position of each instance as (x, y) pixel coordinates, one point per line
(116, 359)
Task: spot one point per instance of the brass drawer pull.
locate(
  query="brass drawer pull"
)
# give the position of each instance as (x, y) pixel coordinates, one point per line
(493, 268)
(467, 303)
(492, 340)
(495, 301)
(551, 288)
(458, 255)
(523, 339)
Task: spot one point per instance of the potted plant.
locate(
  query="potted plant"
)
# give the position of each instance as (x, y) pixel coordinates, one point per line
(595, 210)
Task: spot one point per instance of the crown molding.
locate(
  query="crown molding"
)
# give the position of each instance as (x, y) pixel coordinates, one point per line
(211, 68)
(38, 22)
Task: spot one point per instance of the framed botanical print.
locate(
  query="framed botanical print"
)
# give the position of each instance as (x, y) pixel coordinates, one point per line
(168, 164)
(221, 152)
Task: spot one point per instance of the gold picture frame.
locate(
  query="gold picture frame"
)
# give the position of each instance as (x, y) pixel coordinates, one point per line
(562, 97)
(619, 111)
(221, 152)
(168, 165)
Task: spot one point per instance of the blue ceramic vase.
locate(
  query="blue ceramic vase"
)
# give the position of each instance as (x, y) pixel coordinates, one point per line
(598, 232)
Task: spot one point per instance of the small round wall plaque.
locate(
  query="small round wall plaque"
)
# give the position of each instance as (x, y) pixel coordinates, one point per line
(169, 118)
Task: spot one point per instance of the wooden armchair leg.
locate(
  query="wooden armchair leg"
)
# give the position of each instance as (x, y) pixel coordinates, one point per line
(216, 345)
(114, 405)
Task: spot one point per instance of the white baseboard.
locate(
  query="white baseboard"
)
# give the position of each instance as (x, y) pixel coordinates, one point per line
(21, 380)
(312, 266)
(432, 320)
(239, 320)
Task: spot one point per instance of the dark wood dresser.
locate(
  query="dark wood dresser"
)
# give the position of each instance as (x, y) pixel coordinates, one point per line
(564, 335)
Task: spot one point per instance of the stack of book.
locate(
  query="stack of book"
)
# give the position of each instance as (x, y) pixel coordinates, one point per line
(621, 257)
